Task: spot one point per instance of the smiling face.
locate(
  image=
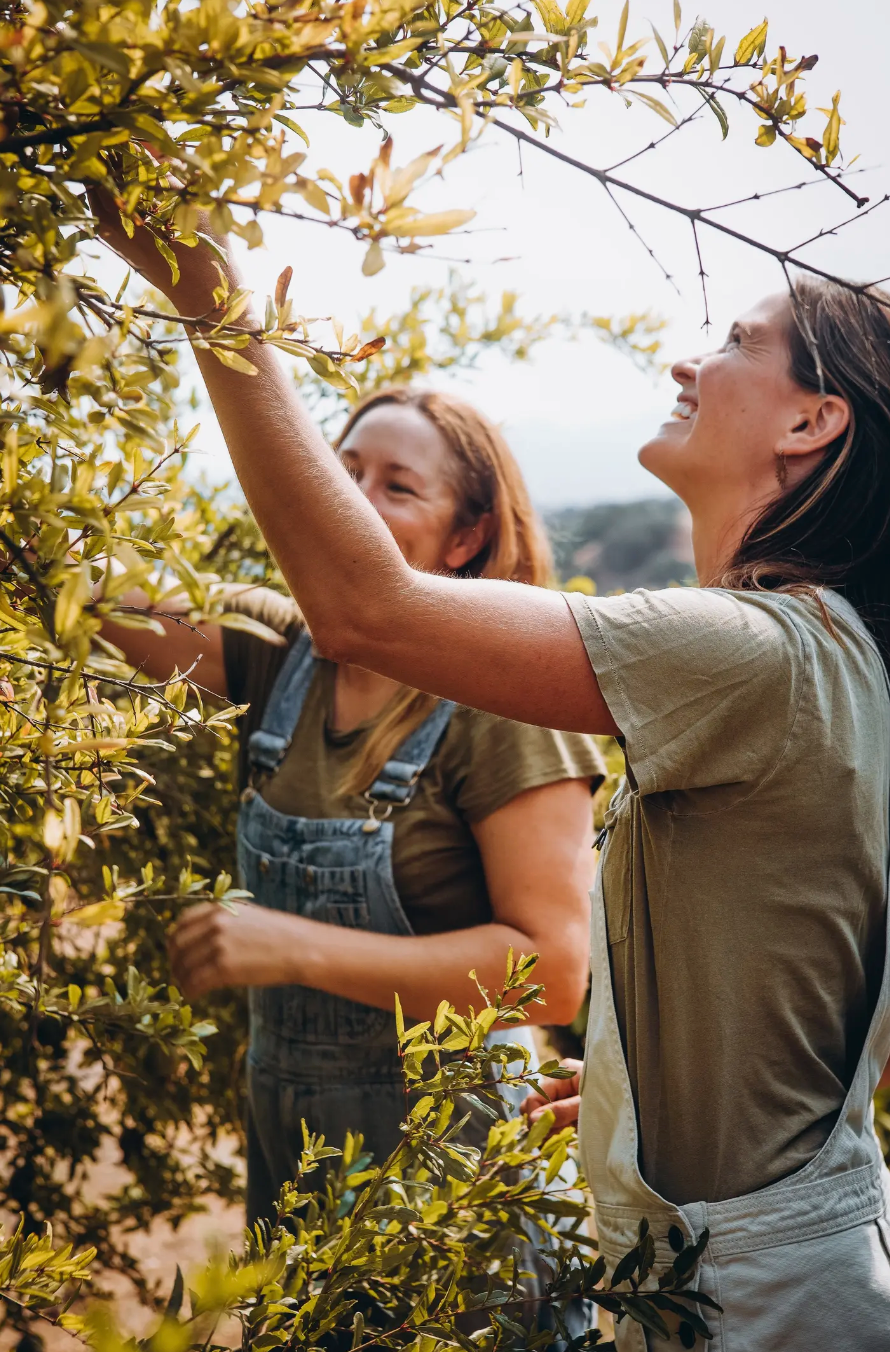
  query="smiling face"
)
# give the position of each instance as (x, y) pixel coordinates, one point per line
(402, 463)
(734, 413)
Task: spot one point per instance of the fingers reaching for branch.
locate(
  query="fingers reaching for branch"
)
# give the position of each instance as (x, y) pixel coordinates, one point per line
(560, 1097)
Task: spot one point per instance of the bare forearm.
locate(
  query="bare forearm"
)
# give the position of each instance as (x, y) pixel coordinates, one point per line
(329, 542)
(426, 969)
(181, 646)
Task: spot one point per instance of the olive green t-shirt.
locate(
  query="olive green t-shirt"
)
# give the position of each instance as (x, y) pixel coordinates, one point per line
(745, 874)
(481, 763)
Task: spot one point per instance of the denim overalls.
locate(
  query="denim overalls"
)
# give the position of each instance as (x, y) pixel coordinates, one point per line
(315, 1056)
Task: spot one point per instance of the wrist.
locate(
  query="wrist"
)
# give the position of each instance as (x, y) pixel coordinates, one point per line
(291, 943)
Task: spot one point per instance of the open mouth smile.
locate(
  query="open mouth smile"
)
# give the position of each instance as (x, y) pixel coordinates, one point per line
(683, 410)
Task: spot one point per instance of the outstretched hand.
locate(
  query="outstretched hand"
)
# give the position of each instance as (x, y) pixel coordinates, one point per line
(214, 946)
(563, 1098)
(198, 276)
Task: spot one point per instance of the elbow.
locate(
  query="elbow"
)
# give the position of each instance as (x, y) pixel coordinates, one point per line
(357, 628)
(348, 636)
(335, 638)
(565, 987)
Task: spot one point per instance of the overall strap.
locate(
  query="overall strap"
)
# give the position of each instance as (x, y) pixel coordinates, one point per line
(268, 746)
(397, 780)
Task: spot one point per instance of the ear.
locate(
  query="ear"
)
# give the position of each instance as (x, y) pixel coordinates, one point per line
(821, 421)
(466, 543)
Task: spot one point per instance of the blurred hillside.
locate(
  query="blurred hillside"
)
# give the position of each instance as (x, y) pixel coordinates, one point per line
(623, 545)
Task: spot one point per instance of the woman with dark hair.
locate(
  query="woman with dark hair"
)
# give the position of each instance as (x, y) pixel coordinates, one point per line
(392, 841)
(740, 1010)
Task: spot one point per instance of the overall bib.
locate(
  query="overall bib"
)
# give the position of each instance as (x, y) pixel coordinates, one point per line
(800, 1265)
(317, 1057)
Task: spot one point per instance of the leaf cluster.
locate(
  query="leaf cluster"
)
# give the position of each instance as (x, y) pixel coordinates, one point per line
(421, 1250)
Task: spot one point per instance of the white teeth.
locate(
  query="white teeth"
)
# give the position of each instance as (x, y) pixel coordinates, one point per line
(683, 411)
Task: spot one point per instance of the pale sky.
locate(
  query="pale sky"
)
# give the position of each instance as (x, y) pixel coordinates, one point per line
(576, 414)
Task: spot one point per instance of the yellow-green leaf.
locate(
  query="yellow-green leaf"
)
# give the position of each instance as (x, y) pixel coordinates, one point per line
(432, 223)
(99, 913)
(234, 360)
(662, 46)
(831, 139)
(622, 30)
(656, 105)
(70, 601)
(373, 260)
(552, 15)
(328, 370)
(167, 253)
(233, 619)
(752, 44)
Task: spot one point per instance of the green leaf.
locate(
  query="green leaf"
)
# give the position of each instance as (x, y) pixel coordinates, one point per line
(174, 1304)
(717, 109)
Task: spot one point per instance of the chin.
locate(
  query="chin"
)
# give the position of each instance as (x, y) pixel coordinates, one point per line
(662, 457)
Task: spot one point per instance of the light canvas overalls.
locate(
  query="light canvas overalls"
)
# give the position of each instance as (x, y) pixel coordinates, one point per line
(313, 1056)
(802, 1265)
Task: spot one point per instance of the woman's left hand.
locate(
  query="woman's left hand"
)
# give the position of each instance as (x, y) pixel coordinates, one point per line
(213, 946)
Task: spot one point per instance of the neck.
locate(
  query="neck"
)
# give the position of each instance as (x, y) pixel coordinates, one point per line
(359, 695)
(718, 528)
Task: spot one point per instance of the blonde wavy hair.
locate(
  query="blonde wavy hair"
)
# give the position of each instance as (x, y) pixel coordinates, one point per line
(486, 480)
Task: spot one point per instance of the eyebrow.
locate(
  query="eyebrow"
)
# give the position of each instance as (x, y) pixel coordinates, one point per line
(390, 464)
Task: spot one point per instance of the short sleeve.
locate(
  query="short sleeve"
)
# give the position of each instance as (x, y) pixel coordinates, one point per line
(488, 761)
(703, 683)
(251, 663)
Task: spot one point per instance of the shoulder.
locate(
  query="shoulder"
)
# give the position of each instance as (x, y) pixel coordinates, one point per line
(644, 644)
(487, 761)
(268, 607)
(705, 684)
(252, 657)
(675, 616)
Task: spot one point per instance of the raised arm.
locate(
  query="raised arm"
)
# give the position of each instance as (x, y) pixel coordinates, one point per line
(504, 647)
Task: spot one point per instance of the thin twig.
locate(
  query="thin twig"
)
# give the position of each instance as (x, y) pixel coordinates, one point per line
(702, 274)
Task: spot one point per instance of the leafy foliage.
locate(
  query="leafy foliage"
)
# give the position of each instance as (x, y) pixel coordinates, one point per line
(409, 1252)
(115, 802)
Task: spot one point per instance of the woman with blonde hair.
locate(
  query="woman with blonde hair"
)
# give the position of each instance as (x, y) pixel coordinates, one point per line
(392, 841)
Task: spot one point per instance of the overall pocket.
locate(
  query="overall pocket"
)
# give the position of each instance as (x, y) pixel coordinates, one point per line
(616, 870)
(332, 896)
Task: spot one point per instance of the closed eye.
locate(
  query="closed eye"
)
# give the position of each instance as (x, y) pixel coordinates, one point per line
(394, 487)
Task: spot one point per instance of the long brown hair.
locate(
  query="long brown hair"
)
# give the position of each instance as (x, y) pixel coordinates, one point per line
(486, 479)
(833, 528)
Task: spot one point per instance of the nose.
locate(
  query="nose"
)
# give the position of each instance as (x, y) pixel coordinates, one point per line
(685, 370)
